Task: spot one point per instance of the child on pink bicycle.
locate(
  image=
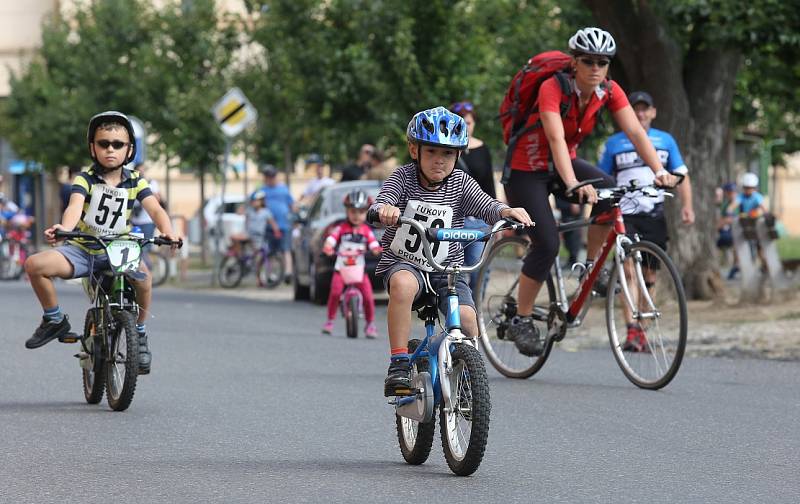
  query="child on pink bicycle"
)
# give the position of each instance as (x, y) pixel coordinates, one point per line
(351, 234)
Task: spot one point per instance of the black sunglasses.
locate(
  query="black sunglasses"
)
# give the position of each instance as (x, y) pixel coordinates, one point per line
(116, 144)
(602, 63)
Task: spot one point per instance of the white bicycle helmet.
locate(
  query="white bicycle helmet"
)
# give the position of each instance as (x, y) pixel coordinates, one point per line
(593, 41)
(749, 180)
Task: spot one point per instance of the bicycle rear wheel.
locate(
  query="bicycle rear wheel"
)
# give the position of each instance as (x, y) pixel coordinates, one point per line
(651, 356)
(464, 423)
(271, 270)
(123, 367)
(231, 271)
(159, 268)
(93, 366)
(496, 302)
(415, 438)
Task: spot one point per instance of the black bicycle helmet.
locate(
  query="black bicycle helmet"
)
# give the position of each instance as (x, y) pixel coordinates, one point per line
(112, 116)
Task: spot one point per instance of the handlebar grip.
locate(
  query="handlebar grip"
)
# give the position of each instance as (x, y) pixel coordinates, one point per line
(569, 192)
(162, 241)
(373, 217)
(61, 234)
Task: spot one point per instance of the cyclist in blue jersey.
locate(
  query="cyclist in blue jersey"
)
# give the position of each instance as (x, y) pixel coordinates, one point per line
(644, 215)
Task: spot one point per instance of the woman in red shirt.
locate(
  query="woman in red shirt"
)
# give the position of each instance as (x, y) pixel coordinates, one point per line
(545, 160)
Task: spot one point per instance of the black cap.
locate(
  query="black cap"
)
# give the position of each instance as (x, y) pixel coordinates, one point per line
(269, 170)
(640, 96)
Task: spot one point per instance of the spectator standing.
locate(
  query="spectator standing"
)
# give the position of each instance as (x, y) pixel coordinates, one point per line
(280, 202)
(477, 163)
(357, 170)
(315, 185)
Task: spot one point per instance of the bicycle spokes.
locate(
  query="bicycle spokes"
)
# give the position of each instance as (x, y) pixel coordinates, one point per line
(647, 320)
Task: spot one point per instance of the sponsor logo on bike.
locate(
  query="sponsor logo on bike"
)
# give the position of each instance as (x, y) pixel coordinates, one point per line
(458, 234)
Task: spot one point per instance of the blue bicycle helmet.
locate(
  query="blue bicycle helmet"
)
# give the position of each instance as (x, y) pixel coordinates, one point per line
(438, 127)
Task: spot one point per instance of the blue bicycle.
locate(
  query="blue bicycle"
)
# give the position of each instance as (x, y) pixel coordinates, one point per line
(447, 371)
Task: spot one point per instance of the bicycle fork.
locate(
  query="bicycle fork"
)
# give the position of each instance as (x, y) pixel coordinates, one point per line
(644, 293)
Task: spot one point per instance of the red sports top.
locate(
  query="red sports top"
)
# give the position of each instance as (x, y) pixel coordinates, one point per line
(532, 152)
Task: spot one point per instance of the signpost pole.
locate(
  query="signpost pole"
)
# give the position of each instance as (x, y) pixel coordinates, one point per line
(220, 211)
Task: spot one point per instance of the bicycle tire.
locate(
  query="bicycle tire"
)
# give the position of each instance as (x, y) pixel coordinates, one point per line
(469, 389)
(94, 370)
(415, 438)
(271, 270)
(159, 269)
(494, 312)
(231, 271)
(120, 388)
(9, 268)
(351, 317)
(632, 364)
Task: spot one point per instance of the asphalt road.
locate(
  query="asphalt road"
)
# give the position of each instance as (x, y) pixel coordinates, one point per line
(247, 402)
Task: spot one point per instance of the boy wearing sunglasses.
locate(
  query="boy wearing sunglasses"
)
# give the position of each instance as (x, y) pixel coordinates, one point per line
(100, 203)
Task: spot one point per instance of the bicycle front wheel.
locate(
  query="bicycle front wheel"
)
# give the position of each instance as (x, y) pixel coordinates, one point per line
(647, 321)
(351, 317)
(123, 366)
(464, 423)
(496, 302)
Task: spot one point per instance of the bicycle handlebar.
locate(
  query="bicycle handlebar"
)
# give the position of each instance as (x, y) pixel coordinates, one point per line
(632, 187)
(65, 235)
(428, 234)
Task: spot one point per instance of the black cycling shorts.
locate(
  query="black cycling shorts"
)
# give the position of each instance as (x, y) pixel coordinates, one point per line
(649, 228)
(530, 190)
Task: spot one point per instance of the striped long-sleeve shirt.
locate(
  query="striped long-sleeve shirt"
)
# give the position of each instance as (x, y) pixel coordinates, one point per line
(444, 207)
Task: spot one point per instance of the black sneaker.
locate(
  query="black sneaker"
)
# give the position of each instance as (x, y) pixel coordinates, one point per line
(145, 357)
(48, 331)
(525, 336)
(398, 379)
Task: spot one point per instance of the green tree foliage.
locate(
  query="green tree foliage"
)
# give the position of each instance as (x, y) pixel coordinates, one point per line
(83, 67)
(340, 73)
(165, 66)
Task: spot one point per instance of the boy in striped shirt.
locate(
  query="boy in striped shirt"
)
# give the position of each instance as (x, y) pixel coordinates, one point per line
(100, 203)
(428, 190)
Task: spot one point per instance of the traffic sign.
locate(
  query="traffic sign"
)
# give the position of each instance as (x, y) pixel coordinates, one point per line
(234, 112)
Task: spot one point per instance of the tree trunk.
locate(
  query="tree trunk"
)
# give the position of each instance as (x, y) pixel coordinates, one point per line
(693, 95)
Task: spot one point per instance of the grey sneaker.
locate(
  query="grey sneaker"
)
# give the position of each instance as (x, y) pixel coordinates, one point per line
(525, 336)
(145, 357)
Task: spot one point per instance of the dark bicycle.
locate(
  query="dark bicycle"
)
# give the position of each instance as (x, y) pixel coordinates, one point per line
(240, 260)
(109, 353)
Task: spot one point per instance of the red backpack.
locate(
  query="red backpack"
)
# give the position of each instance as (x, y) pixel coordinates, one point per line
(521, 98)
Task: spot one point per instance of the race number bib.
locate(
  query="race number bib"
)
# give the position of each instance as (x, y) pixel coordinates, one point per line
(107, 209)
(352, 247)
(407, 242)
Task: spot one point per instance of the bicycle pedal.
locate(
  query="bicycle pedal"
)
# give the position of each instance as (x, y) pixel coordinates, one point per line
(69, 338)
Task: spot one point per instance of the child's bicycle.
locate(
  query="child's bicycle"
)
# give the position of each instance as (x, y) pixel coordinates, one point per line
(13, 252)
(644, 286)
(447, 371)
(109, 354)
(268, 265)
(350, 264)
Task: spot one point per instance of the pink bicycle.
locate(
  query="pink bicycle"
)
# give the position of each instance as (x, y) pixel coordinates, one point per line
(350, 265)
